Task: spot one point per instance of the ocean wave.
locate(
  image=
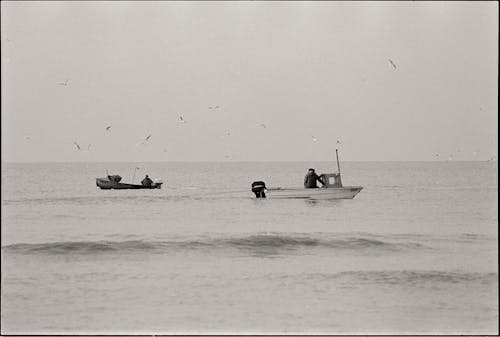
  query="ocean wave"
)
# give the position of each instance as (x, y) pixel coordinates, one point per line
(410, 277)
(335, 242)
(257, 243)
(476, 236)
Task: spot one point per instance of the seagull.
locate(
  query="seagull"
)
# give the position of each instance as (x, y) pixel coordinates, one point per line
(338, 141)
(392, 63)
(65, 83)
(214, 107)
(227, 133)
(108, 128)
(262, 125)
(182, 119)
(144, 141)
(314, 139)
(77, 146)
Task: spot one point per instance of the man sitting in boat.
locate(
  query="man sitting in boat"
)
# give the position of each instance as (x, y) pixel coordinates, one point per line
(311, 178)
(146, 181)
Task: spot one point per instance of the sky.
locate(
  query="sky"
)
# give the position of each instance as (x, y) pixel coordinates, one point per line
(380, 81)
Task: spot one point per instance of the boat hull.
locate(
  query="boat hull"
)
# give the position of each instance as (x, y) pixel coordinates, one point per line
(106, 184)
(346, 192)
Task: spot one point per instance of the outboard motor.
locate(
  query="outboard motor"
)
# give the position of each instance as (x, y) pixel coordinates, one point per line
(158, 183)
(258, 188)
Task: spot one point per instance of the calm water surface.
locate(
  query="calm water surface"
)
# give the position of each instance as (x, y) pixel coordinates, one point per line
(414, 252)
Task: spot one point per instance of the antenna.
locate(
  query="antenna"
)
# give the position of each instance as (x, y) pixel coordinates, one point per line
(133, 178)
(338, 166)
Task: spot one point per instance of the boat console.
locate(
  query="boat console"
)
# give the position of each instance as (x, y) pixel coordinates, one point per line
(337, 182)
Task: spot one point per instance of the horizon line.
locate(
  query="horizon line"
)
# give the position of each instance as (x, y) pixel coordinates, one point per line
(245, 161)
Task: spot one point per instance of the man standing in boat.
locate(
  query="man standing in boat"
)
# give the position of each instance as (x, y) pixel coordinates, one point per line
(311, 179)
(146, 181)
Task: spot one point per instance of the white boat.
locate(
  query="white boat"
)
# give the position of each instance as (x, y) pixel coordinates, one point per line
(323, 193)
(333, 189)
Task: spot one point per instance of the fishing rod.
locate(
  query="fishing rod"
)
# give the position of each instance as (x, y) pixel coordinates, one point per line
(133, 177)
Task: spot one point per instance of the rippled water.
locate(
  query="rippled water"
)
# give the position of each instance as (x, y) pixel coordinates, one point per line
(414, 252)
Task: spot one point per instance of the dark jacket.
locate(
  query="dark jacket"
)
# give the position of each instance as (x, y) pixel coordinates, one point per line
(146, 182)
(310, 180)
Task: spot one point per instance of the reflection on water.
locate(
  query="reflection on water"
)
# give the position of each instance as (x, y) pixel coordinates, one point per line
(324, 203)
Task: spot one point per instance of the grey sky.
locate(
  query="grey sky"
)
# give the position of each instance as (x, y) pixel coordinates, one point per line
(303, 69)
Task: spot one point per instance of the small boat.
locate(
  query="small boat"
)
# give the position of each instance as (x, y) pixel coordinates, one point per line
(112, 184)
(333, 189)
(323, 193)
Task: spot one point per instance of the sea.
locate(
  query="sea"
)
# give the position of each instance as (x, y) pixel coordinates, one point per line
(415, 252)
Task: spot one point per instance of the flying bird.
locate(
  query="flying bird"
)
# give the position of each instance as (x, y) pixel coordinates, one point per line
(65, 83)
(338, 141)
(393, 64)
(77, 146)
(108, 128)
(227, 133)
(88, 147)
(144, 141)
(262, 125)
(182, 119)
(314, 139)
